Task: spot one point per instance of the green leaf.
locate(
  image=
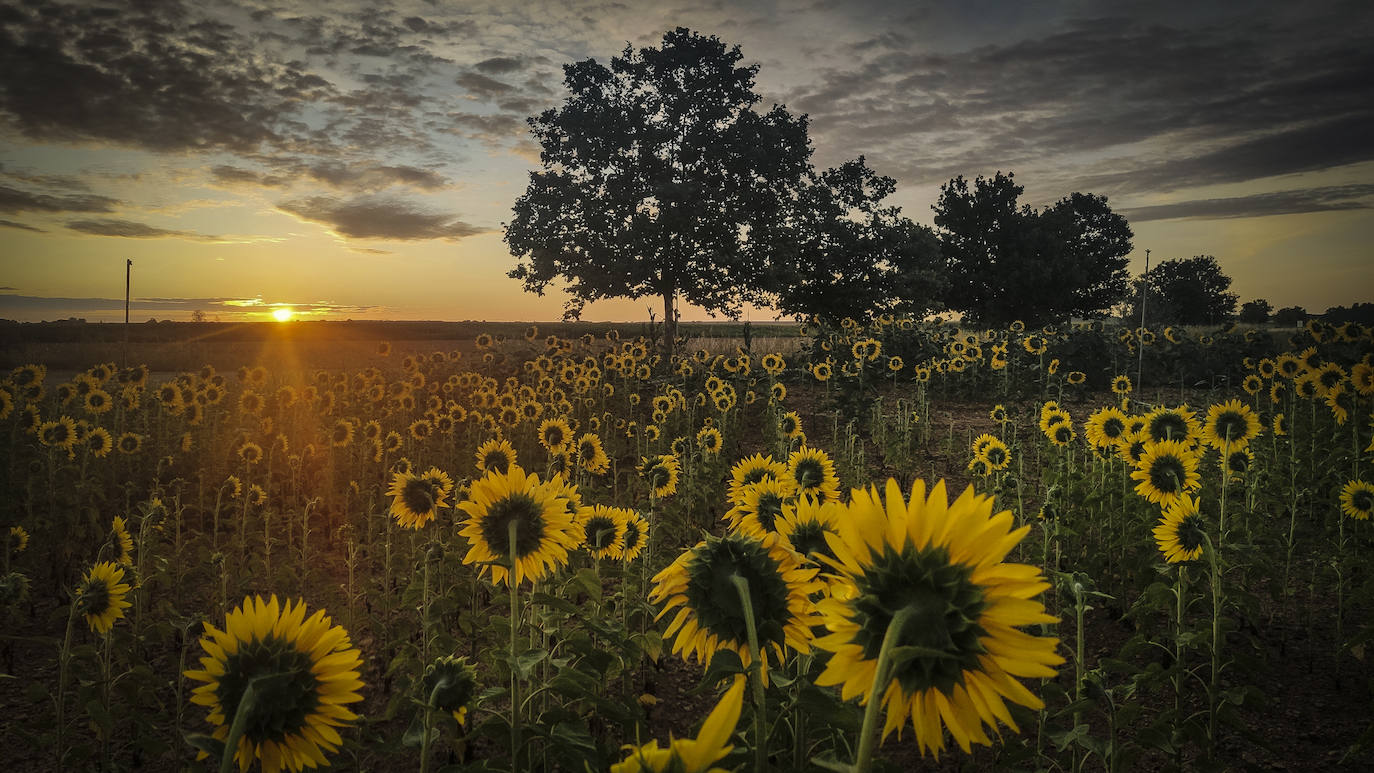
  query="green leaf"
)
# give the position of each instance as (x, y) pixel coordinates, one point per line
(527, 660)
(206, 743)
(100, 717)
(589, 582)
(725, 663)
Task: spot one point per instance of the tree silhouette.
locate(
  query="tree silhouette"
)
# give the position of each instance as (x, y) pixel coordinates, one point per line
(1008, 262)
(1255, 312)
(1191, 291)
(657, 176)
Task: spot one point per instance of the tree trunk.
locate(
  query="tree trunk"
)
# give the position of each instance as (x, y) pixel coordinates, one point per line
(669, 327)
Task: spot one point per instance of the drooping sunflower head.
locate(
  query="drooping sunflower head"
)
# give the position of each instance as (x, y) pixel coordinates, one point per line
(752, 470)
(813, 474)
(538, 513)
(416, 499)
(122, 543)
(636, 536)
(1166, 471)
(591, 456)
(101, 596)
(805, 526)
(1181, 533)
(450, 684)
(1177, 424)
(691, 755)
(710, 613)
(1230, 425)
(495, 455)
(938, 567)
(603, 530)
(302, 672)
(1357, 500)
(661, 473)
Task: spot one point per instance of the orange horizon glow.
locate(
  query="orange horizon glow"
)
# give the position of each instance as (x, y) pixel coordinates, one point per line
(283, 314)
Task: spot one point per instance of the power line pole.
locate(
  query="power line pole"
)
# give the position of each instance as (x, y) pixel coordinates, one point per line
(1140, 344)
(128, 283)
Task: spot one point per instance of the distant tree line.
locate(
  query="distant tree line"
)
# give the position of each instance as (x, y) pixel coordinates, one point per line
(659, 178)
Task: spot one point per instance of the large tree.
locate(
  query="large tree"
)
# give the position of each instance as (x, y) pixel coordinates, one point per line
(657, 175)
(1007, 261)
(843, 254)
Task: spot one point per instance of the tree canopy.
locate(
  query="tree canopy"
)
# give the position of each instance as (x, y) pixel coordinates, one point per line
(1188, 291)
(657, 176)
(1255, 312)
(1007, 261)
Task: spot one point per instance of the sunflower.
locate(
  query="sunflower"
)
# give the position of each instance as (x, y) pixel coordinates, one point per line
(761, 505)
(1121, 385)
(636, 536)
(1052, 418)
(58, 434)
(129, 443)
(813, 473)
(98, 402)
(940, 565)
(1237, 461)
(302, 671)
(122, 542)
(1034, 344)
(1062, 434)
(1167, 470)
(1178, 424)
(249, 452)
(1362, 378)
(690, 755)
(603, 530)
(590, 454)
(1181, 531)
(822, 371)
(804, 527)
(416, 499)
(1077, 377)
(495, 455)
(999, 414)
(790, 425)
(1106, 427)
(752, 470)
(661, 473)
(101, 596)
(710, 615)
(993, 452)
(1230, 425)
(538, 510)
(1357, 500)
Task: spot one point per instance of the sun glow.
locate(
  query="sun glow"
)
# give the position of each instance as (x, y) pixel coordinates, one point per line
(284, 314)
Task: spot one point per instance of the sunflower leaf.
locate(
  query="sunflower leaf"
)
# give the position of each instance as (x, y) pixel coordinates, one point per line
(206, 743)
(528, 659)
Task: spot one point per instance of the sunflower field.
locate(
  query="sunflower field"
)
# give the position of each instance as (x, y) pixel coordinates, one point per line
(896, 545)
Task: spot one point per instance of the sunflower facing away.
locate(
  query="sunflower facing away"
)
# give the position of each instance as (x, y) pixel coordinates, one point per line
(636, 536)
(496, 455)
(603, 530)
(691, 755)
(101, 596)
(803, 528)
(554, 435)
(544, 530)
(814, 474)
(710, 615)
(1357, 500)
(1166, 471)
(762, 504)
(944, 562)
(416, 499)
(591, 456)
(661, 473)
(1180, 533)
(752, 470)
(122, 542)
(303, 672)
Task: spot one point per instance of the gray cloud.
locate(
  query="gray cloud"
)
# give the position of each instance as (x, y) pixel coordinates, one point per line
(1326, 199)
(483, 87)
(21, 227)
(16, 200)
(130, 230)
(500, 65)
(232, 175)
(35, 303)
(373, 218)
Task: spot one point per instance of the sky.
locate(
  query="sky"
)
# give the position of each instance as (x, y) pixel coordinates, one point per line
(358, 159)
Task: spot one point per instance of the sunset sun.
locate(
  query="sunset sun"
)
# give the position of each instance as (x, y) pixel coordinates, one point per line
(284, 314)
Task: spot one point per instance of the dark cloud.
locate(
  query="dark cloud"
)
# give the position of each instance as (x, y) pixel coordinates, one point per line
(483, 87)
(16, 200)
(370, 177)
(130, 230)
(1326, 199)
(21, 227)
(39, 304)
(500, 65)
(232, 175)
(379, 218)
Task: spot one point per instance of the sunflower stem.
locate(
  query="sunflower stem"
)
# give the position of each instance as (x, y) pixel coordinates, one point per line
(239, 727)
(755, 672)
(429, 724)
(868, 735)
(514, 654)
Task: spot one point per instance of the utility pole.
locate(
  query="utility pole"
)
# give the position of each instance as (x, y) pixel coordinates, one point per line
(128, 270)
(1144, 293)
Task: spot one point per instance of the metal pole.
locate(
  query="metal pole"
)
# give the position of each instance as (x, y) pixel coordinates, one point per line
(128, 270)
(1140, 345)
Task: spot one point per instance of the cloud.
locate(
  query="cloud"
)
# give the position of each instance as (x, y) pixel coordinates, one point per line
(20, 226)
(131, 230)
(372, 177)
(34, 303)
(232, 175)
(483, 87)
(15, 200)
(1326, 199)
(500, 65)
(379, 218)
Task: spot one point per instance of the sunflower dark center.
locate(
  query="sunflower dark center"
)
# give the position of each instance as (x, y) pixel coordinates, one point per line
(529, 532)
(1168, 426)
(1113, 427)
(1363, 500)
(587, 451)
(128, 443)
(1063, 433)
(946, 608)
(496, 461)
(1238, 462)
(659, 475)
(996, 455)
(768, 510)
(810, 474)
(286, 689)
(632, 535)
(419, 495)
(1190, 533)
(599, 532)
(711, 592)
(1230, 425)
(789, 425)
(1167, 474)
(554, 436)
(95, 597)
(1329, 378)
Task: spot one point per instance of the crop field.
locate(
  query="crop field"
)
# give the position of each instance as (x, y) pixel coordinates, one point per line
(895, 546)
